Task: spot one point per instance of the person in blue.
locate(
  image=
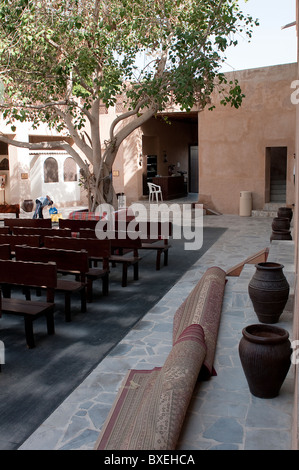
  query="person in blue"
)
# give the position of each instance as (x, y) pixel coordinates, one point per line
(41, 202)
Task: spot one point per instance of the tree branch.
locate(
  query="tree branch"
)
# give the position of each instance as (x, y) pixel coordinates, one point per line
(82, 82)
(86, 149)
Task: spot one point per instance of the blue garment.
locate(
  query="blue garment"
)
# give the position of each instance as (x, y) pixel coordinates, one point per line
(53, 210)
(41, 202)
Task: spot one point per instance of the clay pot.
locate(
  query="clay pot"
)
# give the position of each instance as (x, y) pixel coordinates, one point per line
(265, 354)
(281, 235)
(268, 290)
(281, 223)
(28, 205)
(285, 212)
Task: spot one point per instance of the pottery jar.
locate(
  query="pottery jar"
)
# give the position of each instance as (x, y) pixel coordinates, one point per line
(281, 223)
(268, 290)
(281, 235)
(285, 212)
(265, 354)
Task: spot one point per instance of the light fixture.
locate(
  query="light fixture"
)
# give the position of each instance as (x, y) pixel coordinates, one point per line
(164, 157)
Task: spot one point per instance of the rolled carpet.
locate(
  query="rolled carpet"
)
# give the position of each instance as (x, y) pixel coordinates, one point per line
(149, 410)
(203, 306)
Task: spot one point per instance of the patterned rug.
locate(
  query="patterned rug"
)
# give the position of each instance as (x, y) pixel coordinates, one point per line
(150, 408)
(203, 306)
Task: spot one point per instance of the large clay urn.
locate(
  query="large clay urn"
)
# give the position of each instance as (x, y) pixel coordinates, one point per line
(265, 354)
(268, 290)
(28, 205)
(285, 212)
(281, 223)
(281, 234)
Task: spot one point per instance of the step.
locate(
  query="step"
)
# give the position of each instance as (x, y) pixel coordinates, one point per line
(277, 188)
(278, 198)
(263, 213)
(278, 185)
(272, 206)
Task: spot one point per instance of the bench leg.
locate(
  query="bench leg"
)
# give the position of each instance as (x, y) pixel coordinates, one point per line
(166, 258)
(27, 293)
(50, 323)
(29, 332)
(158, 260)
(89, 290)
(6, 291)
(38, 292)
(67, 307)
(136, 271)
(105, 284)
(125, 275)
(83, 300)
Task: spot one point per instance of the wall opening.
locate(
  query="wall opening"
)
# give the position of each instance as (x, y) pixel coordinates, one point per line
(276, 174)
(193, 169)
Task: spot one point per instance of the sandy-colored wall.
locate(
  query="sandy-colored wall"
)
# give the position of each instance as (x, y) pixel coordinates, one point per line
(232, 143)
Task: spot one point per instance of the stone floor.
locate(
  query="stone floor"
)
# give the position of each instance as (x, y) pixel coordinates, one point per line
(223, 414)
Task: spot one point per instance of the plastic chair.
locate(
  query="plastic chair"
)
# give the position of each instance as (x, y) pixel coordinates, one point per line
(154, 191)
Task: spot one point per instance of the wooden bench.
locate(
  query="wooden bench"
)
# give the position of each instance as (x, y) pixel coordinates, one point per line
(122, 244)
(74, 225)
(97, 250)
(28, 223)
(20, 273)
(5, 251)
(67, 262)
(155, 236)
(42, 232)
(5, 231)
(13, 240)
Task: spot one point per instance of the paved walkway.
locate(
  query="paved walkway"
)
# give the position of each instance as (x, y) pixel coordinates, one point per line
(223, 414)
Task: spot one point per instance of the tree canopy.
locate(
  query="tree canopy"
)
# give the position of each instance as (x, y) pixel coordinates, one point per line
(61, 59)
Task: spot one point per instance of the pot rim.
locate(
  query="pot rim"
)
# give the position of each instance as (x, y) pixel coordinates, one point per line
(269, 265)
(273, 334)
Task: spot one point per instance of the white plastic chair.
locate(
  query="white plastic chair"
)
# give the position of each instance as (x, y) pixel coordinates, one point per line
(154, 191)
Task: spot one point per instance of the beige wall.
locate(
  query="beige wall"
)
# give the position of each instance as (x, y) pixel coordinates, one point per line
(232, 143)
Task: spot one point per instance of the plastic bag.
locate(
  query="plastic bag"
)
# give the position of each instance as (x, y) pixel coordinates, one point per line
(53, 210)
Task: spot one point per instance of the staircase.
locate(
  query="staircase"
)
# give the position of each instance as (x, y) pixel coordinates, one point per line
(278, 191)
(277, 198)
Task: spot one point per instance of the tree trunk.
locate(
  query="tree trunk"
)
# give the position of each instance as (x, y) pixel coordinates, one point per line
(103, 189)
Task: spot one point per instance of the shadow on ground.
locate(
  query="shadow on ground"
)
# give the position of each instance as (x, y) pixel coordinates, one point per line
(34, 382)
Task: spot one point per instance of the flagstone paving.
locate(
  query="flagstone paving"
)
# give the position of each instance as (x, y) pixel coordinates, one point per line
(223, 415)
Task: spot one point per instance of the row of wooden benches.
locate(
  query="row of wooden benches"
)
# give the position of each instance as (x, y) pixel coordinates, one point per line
(67, 255)
(153, 236)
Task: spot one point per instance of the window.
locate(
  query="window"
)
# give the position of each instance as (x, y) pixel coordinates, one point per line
(50, 170)
(69, 170)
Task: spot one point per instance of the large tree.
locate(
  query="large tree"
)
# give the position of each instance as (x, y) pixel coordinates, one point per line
(61, 59)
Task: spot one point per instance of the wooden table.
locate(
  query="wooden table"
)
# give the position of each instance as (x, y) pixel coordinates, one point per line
(10, 208)
(172, 186)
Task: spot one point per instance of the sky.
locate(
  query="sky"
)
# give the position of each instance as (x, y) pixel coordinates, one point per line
(270, 45)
